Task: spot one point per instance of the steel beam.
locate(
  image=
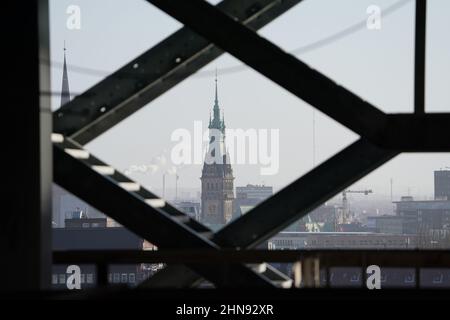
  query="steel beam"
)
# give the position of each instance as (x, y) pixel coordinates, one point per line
(154, 72)
(279, 66)
(327, 257)
(296, 200)
(304, 195)
(420, 56)
(307, 84)
(154, 225)
(125, 207)
(25, 226)
(299, 79)
(417, 133)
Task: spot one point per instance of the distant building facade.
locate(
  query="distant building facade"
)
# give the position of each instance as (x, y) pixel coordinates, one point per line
(84, 223)
(420, 216)
(249, 196)
(321, 219)
(385, 224)
(84, 233)
(352, 277)
(428, 219)
(251, 191)
(67, 206)
(442, 185)
(77, 236)
(217, 174)
(341, 240)
(348, 276)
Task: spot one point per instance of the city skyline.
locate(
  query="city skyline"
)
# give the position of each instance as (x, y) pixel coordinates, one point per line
(130, 142)
(152, 164)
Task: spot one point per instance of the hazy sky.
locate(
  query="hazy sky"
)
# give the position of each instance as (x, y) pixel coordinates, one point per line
(375, 64)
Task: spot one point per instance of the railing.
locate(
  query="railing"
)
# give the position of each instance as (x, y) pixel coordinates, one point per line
(307, 263)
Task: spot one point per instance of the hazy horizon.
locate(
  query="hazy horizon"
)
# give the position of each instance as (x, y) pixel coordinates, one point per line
(375, 64)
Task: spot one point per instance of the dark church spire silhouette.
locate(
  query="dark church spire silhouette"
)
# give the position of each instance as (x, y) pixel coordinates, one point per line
(65, 91)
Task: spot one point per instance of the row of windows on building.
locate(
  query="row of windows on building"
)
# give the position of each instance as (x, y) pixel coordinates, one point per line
(360, 242)
(215, 186)
(91, 225)
(122, 278)
(280, 243)
(214, 195)
(384, 278)
(409, 278)
(88, 278)
(62, 278)
(388, 277)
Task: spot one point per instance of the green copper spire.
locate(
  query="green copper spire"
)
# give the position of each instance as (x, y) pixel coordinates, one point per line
(216, 122)
(216, 100)
(216, 105)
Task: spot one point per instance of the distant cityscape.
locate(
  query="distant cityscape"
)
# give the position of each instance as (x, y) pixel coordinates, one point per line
(351, 220)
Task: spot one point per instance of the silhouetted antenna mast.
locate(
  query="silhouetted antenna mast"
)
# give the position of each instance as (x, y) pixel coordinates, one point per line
(314, 137)
(392, 197)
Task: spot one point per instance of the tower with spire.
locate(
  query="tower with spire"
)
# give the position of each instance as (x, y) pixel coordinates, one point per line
(65, 91)
(217, 174)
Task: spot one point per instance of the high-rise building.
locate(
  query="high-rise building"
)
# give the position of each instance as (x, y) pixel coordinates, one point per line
(442, 185)
(249, 196)
(217, 174)
(251, 191)
(387, 224)
(423, 216)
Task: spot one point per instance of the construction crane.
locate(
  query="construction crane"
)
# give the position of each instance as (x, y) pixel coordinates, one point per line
(345, 207)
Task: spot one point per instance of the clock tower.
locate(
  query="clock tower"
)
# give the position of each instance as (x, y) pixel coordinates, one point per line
(217, 174)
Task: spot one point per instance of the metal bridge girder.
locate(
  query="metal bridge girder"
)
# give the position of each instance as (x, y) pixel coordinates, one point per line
(321, 93)
(377, 128)
(283, 68)
(153, 73)
(287, 206)
(128, 203)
